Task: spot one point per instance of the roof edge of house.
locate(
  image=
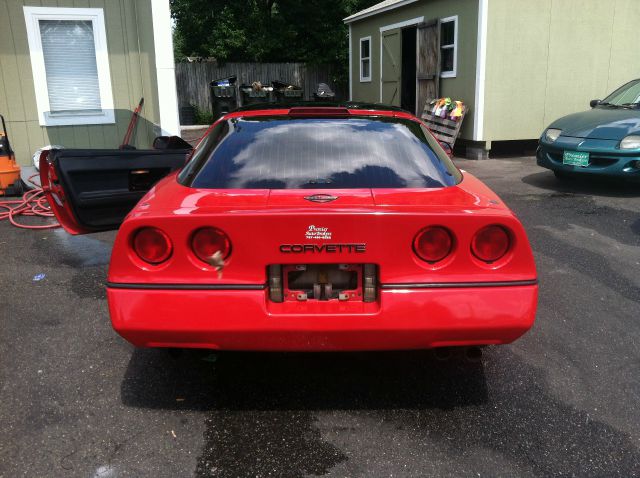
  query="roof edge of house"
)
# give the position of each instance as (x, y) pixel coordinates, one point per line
(371, 11)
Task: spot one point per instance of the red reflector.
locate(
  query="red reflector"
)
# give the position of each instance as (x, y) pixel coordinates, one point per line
(327, 111)
(209, 240)
(490, 243)
(433, 244)
(152, 245)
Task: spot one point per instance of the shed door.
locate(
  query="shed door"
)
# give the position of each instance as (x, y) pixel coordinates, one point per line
(390, 68)
(428, 74)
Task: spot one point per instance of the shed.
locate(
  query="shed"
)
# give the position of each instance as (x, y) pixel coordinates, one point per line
(517, 64)
(72, 71)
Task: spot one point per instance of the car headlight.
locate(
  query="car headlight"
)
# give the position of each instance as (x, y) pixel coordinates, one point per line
(630, 142)
(552, 134)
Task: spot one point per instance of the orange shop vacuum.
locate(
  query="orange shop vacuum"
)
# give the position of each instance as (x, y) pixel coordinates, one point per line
(10, 182)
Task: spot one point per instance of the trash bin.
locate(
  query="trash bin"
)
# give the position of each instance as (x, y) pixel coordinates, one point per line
(324, 93)
(223, 96)
(286, 92)
(255, 93)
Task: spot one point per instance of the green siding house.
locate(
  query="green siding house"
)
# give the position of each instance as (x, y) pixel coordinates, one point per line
(72, 71)
(517, 64)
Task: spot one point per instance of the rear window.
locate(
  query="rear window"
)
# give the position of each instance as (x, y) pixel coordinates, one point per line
(313, 153)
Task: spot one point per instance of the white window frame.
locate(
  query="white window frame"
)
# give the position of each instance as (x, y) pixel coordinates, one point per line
(32, 16)
(452, 73)
(365, 79)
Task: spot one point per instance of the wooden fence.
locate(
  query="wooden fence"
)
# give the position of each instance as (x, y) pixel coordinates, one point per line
(193, 79)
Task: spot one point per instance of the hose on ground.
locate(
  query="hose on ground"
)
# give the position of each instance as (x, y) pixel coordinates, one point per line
(32, 203)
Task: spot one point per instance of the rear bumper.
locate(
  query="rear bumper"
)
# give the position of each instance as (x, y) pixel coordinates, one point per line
(245, 320)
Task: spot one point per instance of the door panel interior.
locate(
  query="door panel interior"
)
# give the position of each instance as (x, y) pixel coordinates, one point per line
(101, 186)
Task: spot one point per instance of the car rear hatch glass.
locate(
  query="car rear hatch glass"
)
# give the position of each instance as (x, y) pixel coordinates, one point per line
(353, 152)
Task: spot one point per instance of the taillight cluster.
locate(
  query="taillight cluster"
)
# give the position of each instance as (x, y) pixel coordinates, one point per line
(207, 241)
(491, 243)
(433, 244)
(154, 246)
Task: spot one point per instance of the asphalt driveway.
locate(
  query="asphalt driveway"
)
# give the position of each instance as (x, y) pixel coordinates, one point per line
(76, 400)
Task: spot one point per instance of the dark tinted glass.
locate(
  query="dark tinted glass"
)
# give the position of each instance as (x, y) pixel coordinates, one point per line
(446, 59)
(306, 153)
(365, 49)
(447, 33)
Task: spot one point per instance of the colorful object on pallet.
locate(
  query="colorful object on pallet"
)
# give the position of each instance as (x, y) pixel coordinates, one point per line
(447, 108)
(456, 113)
(444, 118)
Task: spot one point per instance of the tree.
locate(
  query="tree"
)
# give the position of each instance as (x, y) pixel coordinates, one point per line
(309, 31)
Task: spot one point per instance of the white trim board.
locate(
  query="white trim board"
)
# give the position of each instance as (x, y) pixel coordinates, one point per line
(406, 23)
(454, 72)
(32, 16)
(481, 67)
(365, 79)
(370, 13)
(165, 68)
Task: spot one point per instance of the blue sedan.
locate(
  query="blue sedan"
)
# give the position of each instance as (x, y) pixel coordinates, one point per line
(602, 141)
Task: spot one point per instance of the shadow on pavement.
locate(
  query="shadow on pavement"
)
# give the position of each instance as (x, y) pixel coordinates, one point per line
(263, 411)
(325, 381)
(593, 186)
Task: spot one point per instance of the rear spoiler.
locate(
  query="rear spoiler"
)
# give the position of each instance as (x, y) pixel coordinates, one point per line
(325, 112)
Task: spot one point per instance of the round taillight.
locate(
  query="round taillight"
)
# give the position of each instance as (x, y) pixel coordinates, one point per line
(433, 244)
(152, 245)
(209, 240)
(490, 243)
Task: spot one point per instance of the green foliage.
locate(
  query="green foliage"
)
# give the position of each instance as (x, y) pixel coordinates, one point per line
(202, 116)
(309, 31)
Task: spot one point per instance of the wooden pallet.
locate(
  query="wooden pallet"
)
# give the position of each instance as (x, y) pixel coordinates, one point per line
(444, 129)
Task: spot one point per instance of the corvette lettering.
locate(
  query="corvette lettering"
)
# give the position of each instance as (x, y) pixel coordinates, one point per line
(320, 248)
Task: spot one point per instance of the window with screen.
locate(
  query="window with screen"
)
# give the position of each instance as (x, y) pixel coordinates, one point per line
(319, 153)
(70, 65)
(365, 59)
(448, 46)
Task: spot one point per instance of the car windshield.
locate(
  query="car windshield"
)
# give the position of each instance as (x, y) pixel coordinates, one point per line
(280, 152)
(627, 95)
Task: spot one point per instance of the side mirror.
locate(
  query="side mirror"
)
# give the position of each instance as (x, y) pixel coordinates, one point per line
(594, 103)
(170, 142)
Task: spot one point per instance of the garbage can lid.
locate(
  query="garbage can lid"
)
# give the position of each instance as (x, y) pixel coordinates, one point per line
(324, 90)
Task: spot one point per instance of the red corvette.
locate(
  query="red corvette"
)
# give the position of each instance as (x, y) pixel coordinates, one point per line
(301, 228)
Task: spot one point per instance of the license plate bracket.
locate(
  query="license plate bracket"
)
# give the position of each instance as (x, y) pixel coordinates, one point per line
(576, 158)
(322, 282)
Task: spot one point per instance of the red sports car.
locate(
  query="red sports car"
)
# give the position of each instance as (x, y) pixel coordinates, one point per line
(301, 228)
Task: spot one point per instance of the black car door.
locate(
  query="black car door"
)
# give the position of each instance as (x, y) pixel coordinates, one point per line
(93, 190)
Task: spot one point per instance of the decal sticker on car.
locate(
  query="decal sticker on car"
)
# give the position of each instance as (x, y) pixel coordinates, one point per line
(317, 232)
